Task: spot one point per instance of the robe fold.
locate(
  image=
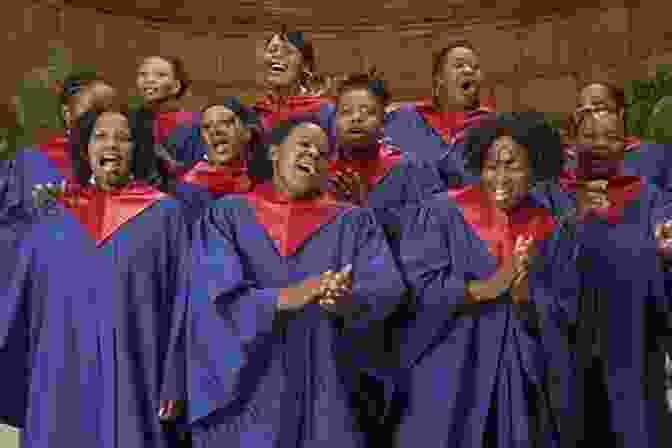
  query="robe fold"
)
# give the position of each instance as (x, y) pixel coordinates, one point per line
(51, 332)
(14, 222)
(265, 378)
(431, 135)
(136, 239)
(180, 134)
(395, 181)
(622, 325)
(203, 183)
(491, 374)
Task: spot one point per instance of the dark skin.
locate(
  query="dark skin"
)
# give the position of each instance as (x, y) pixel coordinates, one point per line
(299, 168)
(457, 85)
(505, 181)
(97, 95)
(601, 134)
(598, 97)
(359, 124)
(157, 82)
(284, 65)
(224, 134)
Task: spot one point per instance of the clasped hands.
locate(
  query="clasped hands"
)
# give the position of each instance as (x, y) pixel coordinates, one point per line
(511, 276)
(327, 290)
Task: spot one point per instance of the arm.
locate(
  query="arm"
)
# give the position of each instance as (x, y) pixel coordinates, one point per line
(438, 285)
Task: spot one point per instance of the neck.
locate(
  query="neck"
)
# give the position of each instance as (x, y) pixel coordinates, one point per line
(293, 89)
(447, 106)
(280, 188)
(361, 152)
(167, 105)
(220, 164)
(107, 187)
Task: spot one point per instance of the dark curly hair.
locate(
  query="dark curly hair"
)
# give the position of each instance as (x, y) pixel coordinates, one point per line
(144, 161)
(543, 143)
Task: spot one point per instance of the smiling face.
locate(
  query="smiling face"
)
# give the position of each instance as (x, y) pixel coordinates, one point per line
(283, 62)
(156, 81)
(506, 173)
(224, 135)
(300, 163)
(459, 80)
(359, 118)
(110, 151)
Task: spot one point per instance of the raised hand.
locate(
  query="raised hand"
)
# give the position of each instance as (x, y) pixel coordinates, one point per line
(664, 239)
(297, 296)
(45, 194)
(335, 286)
(351, 185)
(591, 196)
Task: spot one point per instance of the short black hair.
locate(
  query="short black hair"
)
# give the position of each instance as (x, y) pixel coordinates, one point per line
(367, 81)
(617, 93)
(73, 84)
(543, 143)
(439, 57)
(144, 158)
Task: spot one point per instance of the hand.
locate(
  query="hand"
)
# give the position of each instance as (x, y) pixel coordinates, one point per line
(664, 239)
(45, 194)
(335, 286)
(523, 253)
(297, 296)
(170, 409)
(591, 196)
(480, 291)
(520, 291)
(351, 185)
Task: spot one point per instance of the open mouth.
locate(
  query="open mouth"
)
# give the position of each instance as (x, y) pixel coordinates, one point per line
(468, 86)
(110, 161)
(221, 146)
(278, 68)
(307, 167)
(150, 91)
(357, 131)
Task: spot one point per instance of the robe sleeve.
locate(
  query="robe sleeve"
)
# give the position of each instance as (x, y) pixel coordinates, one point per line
(228, 317)
(429, 264)
(377, 282)
(15, 334)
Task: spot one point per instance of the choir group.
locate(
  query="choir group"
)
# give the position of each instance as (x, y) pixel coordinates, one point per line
(328, 269)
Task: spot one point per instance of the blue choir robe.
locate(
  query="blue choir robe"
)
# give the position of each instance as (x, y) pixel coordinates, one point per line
(491, 374)
(432, 135)
(264, 378)
(14, 222)
(135, 237)
(41, 164)
(623, 311)
(204, 183)
(647, 160)
(394, 182)
(185, 144)
(51, 335)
